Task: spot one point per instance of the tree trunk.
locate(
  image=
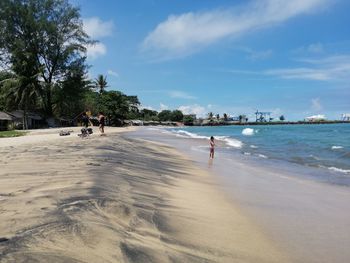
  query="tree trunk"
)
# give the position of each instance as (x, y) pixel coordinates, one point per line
(48, 100)
(25, 124)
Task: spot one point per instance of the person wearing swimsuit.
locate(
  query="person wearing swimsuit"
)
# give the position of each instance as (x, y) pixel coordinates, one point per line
(212, 145)
(101, 119)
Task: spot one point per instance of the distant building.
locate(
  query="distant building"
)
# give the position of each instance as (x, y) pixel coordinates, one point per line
(5, 121)
(316, 118)
(34, 120)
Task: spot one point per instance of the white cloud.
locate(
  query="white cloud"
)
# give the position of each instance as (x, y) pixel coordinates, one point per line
(147, 107)
(316, 104)
(299, 73)
(181, 95)
(199, 110)
(96, 50)
(315, 48)
(332, 68)
(254, 55)
(113, 73)
(163, 107)
(260, 55)
(182, 35)
(97, 28)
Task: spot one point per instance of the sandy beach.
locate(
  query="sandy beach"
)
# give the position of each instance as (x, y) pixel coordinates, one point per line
(302, 212)
(116, 199)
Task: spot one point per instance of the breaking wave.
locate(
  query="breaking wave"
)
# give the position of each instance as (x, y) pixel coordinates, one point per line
(248, 131)
(335, 147)
(228, 140)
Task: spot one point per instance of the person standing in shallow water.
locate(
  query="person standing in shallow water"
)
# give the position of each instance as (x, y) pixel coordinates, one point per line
(101, 119)
(212, 145)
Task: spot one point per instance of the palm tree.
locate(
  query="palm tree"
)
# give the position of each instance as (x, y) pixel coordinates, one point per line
(24, 91)
(210, 115)
(101, 83)
(225, 117)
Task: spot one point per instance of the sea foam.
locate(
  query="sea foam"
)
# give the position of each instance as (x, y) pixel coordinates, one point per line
(335, 147)
(228, 140)
(248, 131)
(190, 134)
(339, 170)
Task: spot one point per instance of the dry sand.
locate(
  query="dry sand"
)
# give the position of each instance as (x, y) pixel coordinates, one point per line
(112, 199)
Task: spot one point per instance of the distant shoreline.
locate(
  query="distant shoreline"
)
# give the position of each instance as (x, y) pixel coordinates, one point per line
(272, 123)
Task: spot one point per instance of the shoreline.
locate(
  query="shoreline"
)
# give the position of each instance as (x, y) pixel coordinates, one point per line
(112, 198)
(308, 219)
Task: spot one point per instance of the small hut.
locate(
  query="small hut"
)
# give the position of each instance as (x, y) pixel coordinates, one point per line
(5, 121)
(34, 120)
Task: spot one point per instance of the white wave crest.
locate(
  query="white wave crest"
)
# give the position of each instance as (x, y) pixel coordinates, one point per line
(190, 134)
(335, 147)
(230, 141)
(262, 156)
(253, 146)
(248, 131)
(335, 169)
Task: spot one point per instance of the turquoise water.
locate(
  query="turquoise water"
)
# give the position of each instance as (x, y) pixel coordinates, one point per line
(322, 146)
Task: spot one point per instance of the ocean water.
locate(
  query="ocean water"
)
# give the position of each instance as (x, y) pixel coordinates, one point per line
(325, 146)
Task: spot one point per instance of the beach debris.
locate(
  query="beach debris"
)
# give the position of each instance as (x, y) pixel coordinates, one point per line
(94, 164)
(64, 133)
(3, 239)
(85, 132)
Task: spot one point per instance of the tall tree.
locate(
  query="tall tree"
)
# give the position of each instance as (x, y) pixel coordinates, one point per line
(68, 97)
(49, 30)
(164, 115)
(23, 91)
(101, 83)
(176, 115)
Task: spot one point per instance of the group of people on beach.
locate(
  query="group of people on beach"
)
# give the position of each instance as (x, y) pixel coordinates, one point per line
(101, 120)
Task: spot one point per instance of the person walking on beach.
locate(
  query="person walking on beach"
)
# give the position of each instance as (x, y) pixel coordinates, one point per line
(101, 119)
(212, 145)
(85, 120)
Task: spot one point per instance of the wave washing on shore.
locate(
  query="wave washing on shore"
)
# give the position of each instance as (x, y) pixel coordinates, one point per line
(322, 146)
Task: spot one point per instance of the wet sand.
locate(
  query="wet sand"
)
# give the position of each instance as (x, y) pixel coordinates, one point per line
(117, 199)
(307, 217)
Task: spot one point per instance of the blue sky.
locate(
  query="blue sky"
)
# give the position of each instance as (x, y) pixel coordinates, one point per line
(288, 57)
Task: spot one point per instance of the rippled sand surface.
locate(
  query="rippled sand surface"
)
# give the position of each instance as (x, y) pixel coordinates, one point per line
(112, 199)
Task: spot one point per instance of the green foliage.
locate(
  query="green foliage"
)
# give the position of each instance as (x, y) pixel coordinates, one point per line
(148, 115)
(43, 39)
(167, 115)
(4, 134)
(115, 105)
(164, 115)
(282, 118)
(69, 96)
(101, 83)
(188, 120)
(176, 115)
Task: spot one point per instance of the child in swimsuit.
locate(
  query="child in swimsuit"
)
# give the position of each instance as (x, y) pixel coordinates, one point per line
(101, 119)
(212, 145)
